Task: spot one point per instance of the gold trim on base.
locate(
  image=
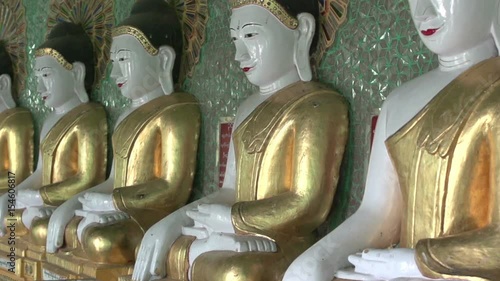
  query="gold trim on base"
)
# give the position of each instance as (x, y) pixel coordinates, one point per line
(67, 263)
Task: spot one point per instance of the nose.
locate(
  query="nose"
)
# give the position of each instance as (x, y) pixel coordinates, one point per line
(241, 51)
(424, 10)
(40, 87)
(116, 71)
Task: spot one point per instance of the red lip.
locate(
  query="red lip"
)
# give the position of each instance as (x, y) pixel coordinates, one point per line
(429, 32)
(121, 84)
(247, 69)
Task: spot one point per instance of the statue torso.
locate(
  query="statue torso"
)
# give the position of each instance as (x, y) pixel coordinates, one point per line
(268, 144)
(138, 139)
(441, 157)
(16, 130)
(61, 144)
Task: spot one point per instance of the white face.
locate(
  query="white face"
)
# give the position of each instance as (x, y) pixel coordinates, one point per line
(135, 71)
(451, 27)
(264, 46)
(56, 84)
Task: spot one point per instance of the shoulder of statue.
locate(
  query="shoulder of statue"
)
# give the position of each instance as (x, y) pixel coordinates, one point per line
(319, 98)
(90, 115)
(16, 117)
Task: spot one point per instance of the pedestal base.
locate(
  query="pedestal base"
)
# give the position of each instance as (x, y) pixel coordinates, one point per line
(67, 266)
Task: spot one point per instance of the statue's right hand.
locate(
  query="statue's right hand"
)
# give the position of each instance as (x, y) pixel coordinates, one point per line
(230, 242)
(4, 210)
(58, 222)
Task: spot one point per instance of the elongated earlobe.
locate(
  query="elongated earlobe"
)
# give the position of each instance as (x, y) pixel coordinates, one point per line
(6, 91)
(167, 59)
(495, 26)
(306, 29)
(79, 75)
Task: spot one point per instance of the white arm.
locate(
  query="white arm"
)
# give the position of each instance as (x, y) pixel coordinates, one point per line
(376, 224)
(160, 237)
(34, 181)
(64, 213)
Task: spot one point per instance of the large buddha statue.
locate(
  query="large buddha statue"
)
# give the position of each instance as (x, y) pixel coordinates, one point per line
(16, 130)
(283, 165)
(155, 146)
(433, 180)
(73, 138)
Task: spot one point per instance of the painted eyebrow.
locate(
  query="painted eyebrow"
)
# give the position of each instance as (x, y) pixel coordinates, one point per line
(40, 69)
(250, 24)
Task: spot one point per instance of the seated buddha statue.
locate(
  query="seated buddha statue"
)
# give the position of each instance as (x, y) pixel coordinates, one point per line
(433, 183)
(283, 164)
(16, 129)
(154, 143)
(73, 137)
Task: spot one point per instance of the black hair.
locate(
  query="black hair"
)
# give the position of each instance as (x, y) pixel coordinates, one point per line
(71, 41)
(160, 24)
(296, 7)
(6, 66)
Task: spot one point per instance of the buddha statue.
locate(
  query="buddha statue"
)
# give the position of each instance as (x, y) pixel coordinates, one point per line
(73, 138)
(283, 163)
(432, 179)
(154, 143)
(16, 130)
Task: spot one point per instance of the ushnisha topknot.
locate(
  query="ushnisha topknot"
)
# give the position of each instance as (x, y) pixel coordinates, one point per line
(154, 23)
(6, 62)
(272, 6)
(286, 11)
(68, 43)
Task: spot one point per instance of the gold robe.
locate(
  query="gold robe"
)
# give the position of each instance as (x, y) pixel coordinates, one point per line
(155, 150)
(16, 146)
(448, 163)
(74, 155)
(288, 154)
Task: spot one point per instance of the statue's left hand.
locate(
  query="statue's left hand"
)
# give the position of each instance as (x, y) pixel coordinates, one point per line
(31, 213)
(28, 198)
(215, 217)
(100, 202)
(383, 264)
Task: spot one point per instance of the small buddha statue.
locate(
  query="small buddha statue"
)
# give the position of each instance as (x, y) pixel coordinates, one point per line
(432, 184)
(74, 135)
(155, 144)
(283, 163)
(16, 132)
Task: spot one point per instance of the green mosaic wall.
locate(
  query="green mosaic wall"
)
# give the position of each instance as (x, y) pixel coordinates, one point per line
(375, 51)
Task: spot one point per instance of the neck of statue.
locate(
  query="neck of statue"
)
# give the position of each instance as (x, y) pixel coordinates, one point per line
(284, 81)
(68, 106)
(156, 93)
(464, 60)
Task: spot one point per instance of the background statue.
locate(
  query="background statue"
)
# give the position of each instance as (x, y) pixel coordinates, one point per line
(431, 183)
(283, 164)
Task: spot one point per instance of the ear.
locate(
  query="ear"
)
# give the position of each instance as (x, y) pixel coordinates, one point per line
(167, 60)
(306, 30)
(6, 91)
(495, 25)
(78, 73)
(5, 82)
